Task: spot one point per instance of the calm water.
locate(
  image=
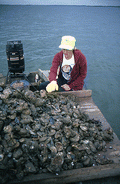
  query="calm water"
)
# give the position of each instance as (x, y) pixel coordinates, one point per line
(97, 31)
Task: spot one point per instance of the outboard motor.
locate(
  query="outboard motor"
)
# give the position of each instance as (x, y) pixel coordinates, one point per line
(15, 56)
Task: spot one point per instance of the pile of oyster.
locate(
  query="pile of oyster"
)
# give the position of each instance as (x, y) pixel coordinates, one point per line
(42, 133)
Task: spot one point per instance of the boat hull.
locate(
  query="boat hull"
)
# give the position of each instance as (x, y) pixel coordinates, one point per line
(87, 106)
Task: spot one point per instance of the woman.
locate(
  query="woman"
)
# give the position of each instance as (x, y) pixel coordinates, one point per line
(69, 68)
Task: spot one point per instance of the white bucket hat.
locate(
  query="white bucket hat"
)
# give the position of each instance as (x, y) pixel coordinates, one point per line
(68, 42)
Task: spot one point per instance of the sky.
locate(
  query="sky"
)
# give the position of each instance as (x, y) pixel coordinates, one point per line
(62, 2)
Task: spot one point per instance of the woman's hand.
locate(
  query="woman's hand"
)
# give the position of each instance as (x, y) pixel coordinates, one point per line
(52, 86)
(66, 87)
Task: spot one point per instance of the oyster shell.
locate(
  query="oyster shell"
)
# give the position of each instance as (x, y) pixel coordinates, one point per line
(47, 134)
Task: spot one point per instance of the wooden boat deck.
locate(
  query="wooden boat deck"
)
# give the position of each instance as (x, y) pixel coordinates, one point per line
(44, 74)
(95, 172)
(83, 174)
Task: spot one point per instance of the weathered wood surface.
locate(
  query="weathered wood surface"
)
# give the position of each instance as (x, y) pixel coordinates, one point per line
(44, 74)
(80, 93)
(83, 174)
(72, 175)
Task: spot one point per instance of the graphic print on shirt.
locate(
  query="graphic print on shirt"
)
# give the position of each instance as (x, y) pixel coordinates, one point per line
(66, 71)
(67, 67)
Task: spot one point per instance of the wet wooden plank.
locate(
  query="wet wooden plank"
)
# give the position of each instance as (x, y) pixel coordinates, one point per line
(44, 74)
(79, 93)
(83, 174)
(75, 175)
(87, 106)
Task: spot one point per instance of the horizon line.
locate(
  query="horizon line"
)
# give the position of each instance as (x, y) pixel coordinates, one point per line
(58, 5)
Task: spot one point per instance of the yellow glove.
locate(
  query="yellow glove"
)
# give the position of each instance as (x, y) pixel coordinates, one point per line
(52, 86)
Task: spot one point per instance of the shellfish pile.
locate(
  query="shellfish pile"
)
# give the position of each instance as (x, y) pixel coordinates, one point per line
(43, 133)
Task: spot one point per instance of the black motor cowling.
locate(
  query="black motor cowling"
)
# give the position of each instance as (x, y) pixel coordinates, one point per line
(15, 56)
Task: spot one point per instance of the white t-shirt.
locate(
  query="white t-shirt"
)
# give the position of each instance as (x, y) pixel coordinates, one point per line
(67, 67)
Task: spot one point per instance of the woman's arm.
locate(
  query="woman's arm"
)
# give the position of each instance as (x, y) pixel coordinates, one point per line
(54, 67)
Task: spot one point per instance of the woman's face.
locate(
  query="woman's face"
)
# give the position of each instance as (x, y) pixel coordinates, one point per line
(67, 53)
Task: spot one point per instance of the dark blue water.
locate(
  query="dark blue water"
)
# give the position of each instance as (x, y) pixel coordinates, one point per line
(97, 31)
